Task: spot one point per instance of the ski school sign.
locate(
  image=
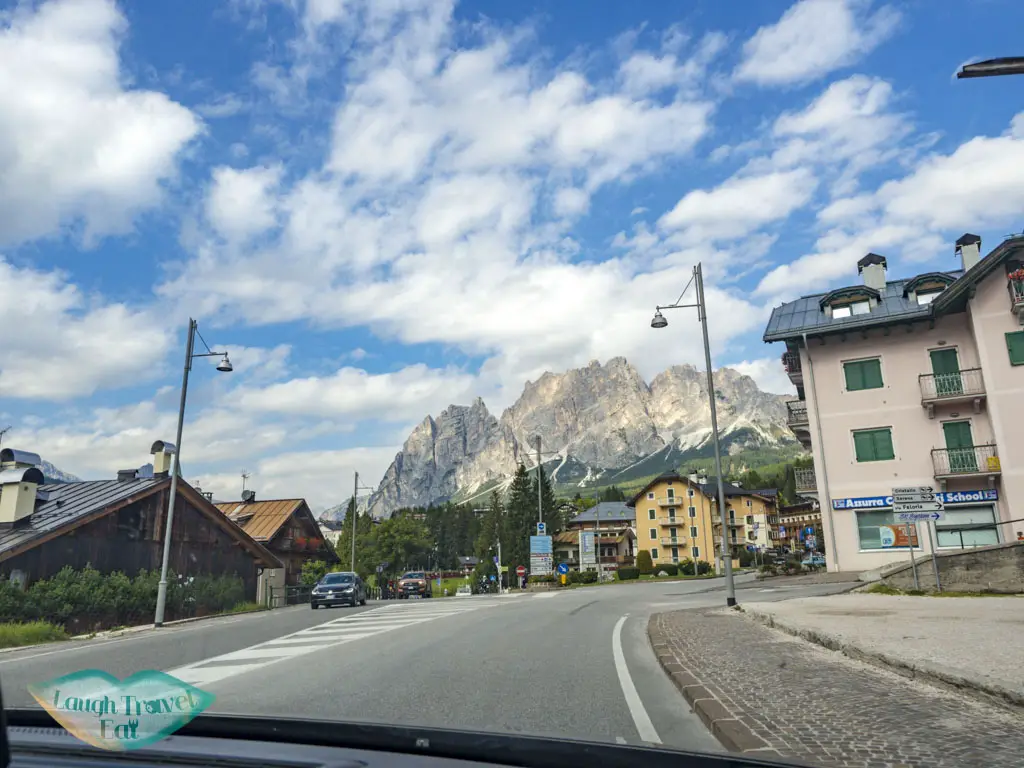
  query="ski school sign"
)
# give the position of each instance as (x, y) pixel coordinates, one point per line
(948, 497)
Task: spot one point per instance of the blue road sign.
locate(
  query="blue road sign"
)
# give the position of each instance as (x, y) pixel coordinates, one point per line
(493, 577)
(809, 530)
(563, 568)
(495, 559)
(542, 529)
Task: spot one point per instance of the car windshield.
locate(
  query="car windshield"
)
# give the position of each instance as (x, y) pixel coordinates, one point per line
(525, 366)
(337, 578)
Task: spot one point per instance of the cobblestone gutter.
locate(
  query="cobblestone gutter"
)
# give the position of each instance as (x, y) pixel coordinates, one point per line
(768, 694)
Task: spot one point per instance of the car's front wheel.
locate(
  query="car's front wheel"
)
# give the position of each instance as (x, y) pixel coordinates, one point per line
(314, 606)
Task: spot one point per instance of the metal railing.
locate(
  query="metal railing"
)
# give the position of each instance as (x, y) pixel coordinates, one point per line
(972, 460)
(669, 501)
(673, 541)
(805, 479)
(796, 412)
(1016, 289)
(791, 362)
(938, 386)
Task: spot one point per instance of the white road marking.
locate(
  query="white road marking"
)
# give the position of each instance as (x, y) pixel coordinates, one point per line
(644, 726)
(619, 740)
(344, 629)
(539, 595)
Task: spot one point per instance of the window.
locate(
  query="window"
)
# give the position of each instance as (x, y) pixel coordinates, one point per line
(671, 511)
(873, 445)
(1015, 346)
(675, 553)
(690, 494)
(879, 530)
(650, 495)
(693, 531)
(654, 554)
(967, 527)
(651, 515)
(926, 297)
(863, 374)
(696, 552)
(848, 310)
(750, 503)
(693, 511)
(653, 532)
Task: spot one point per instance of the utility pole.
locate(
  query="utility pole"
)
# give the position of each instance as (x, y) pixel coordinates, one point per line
(355, 496)
(3, 432)
(597, 539)
(501, 589)
(540, 495)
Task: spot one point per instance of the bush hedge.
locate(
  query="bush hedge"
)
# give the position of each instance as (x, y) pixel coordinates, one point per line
(627, 574)
(644, 562)
(88, 601)
(582, 577)
(669, 569)
(548, 579)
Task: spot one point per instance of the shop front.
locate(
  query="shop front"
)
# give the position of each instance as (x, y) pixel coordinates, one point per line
(970, 519)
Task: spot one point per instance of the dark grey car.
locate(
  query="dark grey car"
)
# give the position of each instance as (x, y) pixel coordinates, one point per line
(343, 588)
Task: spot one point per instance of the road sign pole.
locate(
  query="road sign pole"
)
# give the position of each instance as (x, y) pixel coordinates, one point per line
(913, 563)
(935, 561)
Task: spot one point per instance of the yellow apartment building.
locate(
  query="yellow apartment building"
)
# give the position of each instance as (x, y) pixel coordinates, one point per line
(677, 518)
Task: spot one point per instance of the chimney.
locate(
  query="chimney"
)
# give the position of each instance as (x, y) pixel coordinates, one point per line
(248, 497)
(18, 487)
(126, 475)
(693, 475)
(872, 267)
(969, 248)
(162, 458)
(12, 458)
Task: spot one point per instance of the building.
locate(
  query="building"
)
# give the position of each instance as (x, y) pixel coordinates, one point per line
(911, 382)
(613, 524)
(677, 517)
(116, 525)
(797, 521)
(287, 528)
(763, 517)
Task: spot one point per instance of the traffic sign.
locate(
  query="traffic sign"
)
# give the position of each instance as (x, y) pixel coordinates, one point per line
(563, 568)
(917, 506)
(542, 529)
(521, 571)
(913, 517)
(495, 559)
(912, 490)
(900, 495)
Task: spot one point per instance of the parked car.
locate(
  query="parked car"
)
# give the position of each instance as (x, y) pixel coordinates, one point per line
(814, 560)
(414, 584)
(342, 588)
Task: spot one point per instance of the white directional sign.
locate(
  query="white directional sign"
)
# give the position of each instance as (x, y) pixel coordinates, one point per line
(913, 517)
(912, 504)
(917, 506)
(912, 494)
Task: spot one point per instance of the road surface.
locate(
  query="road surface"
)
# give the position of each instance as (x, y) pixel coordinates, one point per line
(576, 663)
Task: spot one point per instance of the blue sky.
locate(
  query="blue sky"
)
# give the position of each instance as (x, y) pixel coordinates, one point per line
(381, 208)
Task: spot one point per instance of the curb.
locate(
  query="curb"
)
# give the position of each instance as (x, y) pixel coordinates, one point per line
(986, 693)
(731, 733)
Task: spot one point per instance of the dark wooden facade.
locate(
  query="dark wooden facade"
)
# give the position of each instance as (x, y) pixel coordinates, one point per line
(130, 539)
(298, 541)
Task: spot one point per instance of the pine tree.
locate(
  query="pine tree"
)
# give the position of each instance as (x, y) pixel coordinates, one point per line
(491, 527)
(520, 520)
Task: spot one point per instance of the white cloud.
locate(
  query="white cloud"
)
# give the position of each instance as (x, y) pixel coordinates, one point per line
(813, 38)
(768, 373)
(241, 204)
(741, 205)
(409, 393)
(78, 145)
(58, 344)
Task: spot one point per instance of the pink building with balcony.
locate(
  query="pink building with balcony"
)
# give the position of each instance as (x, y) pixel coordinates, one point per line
(912, 382)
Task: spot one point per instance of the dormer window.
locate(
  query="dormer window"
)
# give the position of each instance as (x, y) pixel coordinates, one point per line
(923, 289)
(848, 310)
(849, 302)
(925, 297)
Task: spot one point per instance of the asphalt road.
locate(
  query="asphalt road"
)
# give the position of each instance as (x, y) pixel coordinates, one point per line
(574, 663)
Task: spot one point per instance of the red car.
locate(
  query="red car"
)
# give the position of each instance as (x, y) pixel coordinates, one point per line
(414, 584)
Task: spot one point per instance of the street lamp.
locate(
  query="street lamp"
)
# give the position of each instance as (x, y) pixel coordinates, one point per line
(659, 321)
(1009, 65)
(224, 366)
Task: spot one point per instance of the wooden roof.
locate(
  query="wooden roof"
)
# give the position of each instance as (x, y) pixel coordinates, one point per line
(261, 519)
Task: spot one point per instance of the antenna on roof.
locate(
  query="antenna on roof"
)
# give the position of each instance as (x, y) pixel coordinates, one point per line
(3, 432)
(245, 476)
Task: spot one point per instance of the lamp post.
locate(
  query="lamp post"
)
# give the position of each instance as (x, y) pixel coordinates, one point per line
(659, 321)
(355, 513)
(1009, 65)
(223, 366)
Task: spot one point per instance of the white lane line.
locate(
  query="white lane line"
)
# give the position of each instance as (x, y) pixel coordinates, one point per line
(619, 740)
(644, 726)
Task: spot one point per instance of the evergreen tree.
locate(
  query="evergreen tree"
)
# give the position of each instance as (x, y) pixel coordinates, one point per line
(520, 520)
(491, 527)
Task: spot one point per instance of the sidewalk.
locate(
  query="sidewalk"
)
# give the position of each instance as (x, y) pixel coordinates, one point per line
(972, 644)
(766, 693)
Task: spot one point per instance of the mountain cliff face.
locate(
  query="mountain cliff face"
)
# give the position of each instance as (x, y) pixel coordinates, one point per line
(599, 421)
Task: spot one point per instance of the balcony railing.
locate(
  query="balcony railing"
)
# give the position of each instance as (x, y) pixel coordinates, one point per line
(959, 462)
(669, 501)
(791, 362)
(805, 480)
(797, 413)
(1016, 289)
(673, 541)
(962, 385)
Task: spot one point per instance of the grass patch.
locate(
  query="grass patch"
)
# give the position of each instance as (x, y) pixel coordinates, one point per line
(248, 607)
(30, 633)
(881, 588)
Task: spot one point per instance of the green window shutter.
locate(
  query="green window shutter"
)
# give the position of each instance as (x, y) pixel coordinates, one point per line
(1015, 346)
(873, 445)
(863, 374)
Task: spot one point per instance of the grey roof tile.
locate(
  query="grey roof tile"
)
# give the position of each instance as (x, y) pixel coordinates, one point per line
(608, 510)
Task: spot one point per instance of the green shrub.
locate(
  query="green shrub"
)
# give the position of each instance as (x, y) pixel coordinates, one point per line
(627, 574)
(313, 571)
(669, 569)
(541, 579)
(687, 568)
(703, 567)
(30, 633)
(644, 562)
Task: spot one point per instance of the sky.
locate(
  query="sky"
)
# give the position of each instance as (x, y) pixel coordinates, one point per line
(381, 207)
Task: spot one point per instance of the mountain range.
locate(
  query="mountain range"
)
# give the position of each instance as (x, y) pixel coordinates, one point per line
(598, 425)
